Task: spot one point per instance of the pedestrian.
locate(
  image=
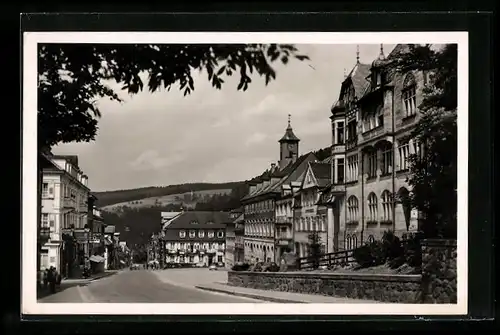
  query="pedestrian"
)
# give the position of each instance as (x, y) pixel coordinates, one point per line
(52, 280)
(45, 278)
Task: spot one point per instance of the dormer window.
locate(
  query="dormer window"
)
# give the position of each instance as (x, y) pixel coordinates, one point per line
(220, 234)
(210, 222)
(194, 222)
(192, 233)
(211, 234)
(182, 234)
(201, 233)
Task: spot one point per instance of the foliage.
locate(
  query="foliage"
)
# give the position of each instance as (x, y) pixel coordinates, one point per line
(322, 154)
(240, 267)
(119, 196)
(315, 248)
(271, 267)
(73, 77)
(433, 176)
(413, 249)
(391, 245)
(363, 255)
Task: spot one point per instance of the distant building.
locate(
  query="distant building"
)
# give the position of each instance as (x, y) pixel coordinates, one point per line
(196, 238)
(234, 238)
(64, 213)
(260, 203)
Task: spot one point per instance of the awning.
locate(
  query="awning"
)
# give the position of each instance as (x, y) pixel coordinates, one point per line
(97, 259)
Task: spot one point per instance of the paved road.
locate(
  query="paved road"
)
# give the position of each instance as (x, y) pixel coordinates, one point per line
(141, 286)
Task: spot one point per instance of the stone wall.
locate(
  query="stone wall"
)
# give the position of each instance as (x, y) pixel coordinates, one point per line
(436, 284)
(385, 288)
(439, 271)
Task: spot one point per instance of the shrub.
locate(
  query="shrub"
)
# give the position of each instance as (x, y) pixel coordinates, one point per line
(392, 246)
(413, 250)
(272, 267)
(240, 267)
(363, 256)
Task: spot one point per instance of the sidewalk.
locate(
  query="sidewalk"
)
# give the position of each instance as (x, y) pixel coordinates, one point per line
(279, 297)
(91, 278)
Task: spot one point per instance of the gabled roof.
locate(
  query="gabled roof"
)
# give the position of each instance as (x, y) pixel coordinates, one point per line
(358, 77)
(73, 159)
(289, 136)
(322, 172)
(282, 175)
(203, 219)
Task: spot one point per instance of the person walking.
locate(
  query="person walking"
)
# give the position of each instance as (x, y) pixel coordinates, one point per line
(52, 280)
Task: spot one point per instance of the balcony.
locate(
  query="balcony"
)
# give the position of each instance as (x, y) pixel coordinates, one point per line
(284, 220)
(352, 142)
(373, 133)
(69, 202)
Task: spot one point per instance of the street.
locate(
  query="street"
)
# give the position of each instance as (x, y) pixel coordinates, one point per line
(143, 286)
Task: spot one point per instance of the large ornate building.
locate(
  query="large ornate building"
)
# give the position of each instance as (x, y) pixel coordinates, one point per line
(372, 119)
(260, 203)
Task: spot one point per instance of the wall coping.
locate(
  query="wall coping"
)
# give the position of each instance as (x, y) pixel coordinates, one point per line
(438, 242)
(336, 276)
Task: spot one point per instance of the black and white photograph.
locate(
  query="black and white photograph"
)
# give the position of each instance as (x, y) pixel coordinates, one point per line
(204, 173)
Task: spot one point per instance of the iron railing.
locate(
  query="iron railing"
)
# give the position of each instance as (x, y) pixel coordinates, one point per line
(344, 257)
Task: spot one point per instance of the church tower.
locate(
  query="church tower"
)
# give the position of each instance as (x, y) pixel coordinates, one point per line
(289, 147)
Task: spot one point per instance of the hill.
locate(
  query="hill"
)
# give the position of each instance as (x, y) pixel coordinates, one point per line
(126, 196)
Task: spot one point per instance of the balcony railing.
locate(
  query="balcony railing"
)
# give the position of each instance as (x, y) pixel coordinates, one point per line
(284, 219)
(284, 236)
(372, 133)
(352, 142)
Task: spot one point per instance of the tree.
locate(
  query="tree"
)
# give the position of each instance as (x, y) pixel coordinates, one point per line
(72, 77)
(315, 248)
(433, 171)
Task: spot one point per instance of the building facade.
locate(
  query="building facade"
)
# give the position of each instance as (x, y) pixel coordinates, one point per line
(378, 106)
(264, 191)
(234, 238)
(196, 238)
(311, 214)
(64, 213)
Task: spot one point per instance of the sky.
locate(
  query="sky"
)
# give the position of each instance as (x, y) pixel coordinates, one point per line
(164, 138)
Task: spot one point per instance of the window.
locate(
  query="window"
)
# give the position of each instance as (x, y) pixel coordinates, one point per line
(333, 133)
(352, 168)
(181, 259)
(386, 206)
(351, 130)
(201, 233)
(371, 239)
(372, 207)
(45, 190)
(194, 222)
(220, 234)
(182, 234)
(340, 170)
(221, 246)
(209, 222)
(340, 133)
(45, 220)
(417, 148)
(52, 259)
(191, 259)
(372, 163)
(211, 234)
(192, 233)
(409, 95)
(404, 152)
(352, 209)
(379, 117)
(386, 167)
(219, 259)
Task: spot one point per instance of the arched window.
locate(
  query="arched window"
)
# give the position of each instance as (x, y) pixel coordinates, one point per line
(409, 95)
(386, 162)
(352, 209)
(348, 242)
(379, 117)
(371, 239)
(354, 241)
(372, 207)
(386, 206)
(371, 166)
(308, 224)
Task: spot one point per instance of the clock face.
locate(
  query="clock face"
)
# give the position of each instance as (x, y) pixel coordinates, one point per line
(290, 146)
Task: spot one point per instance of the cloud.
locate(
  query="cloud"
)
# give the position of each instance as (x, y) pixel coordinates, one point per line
(151, 160)
(255, 138)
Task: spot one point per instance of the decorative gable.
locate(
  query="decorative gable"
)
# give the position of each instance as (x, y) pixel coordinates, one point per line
(309, 179)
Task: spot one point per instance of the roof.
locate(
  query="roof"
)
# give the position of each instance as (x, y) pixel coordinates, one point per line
(358, 76)
(289, 135)
(282, 175)
(204, 219)
(73, 159)
(322, 172)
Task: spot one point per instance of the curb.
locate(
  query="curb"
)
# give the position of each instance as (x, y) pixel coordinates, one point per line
(249, 295)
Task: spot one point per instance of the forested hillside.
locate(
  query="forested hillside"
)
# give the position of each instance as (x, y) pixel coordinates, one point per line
(114, 197)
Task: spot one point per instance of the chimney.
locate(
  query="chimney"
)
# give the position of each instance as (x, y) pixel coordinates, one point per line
(273, 167)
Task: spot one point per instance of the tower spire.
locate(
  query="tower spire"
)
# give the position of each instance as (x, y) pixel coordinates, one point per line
(382, 51)
(289, 118)
(357, 54)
